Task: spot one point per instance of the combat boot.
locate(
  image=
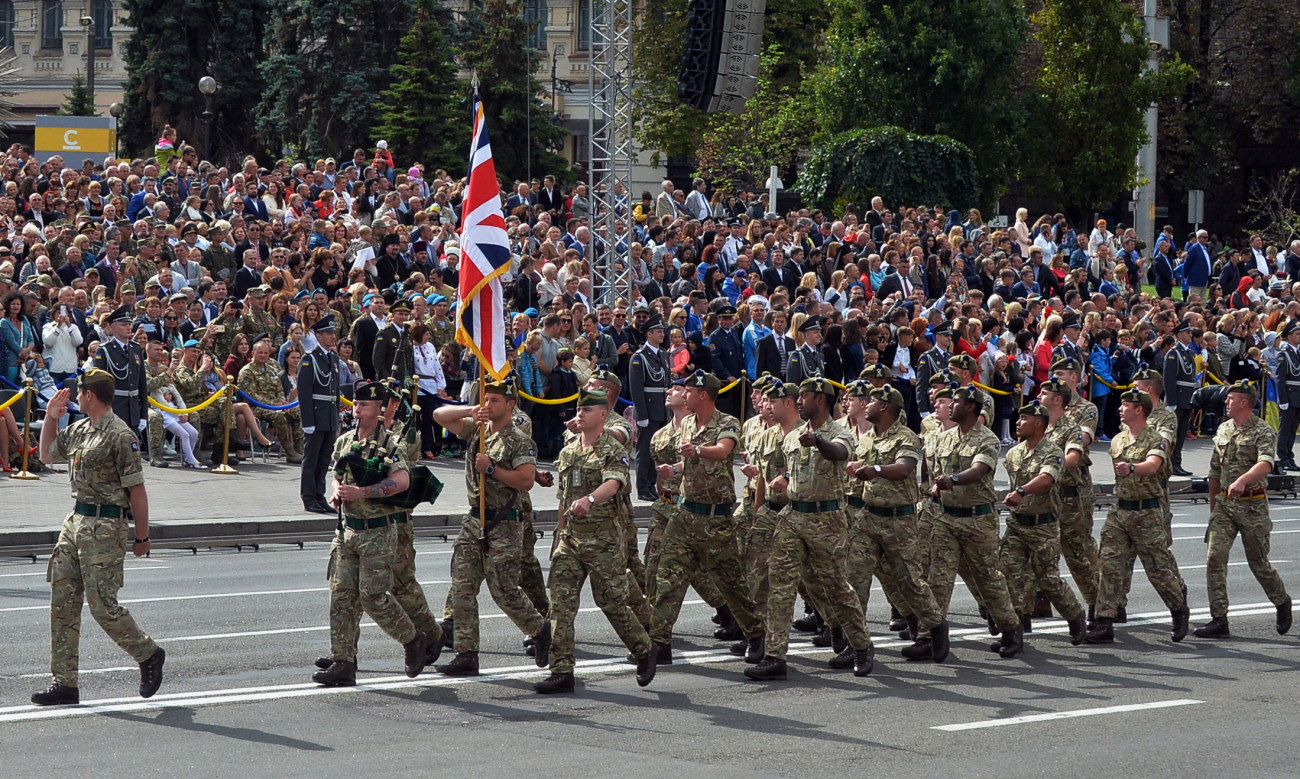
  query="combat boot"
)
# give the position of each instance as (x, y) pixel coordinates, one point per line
(808, 623)
(738, 647)
(1215, 628)
(923, 649)
(555, 683)
(728, 629)
(864, 660)
(1013, 643)
(1102, 632)
(939, 642)
(663, 654)
(838, 641)
(1027, 623)
(463, 664)
(913, 629)
(896, 620)
(151, 673)
(1121, 616)
(1284, 616)
(823, 638)
(448, 633)
(341, 673)
(771, 669)
(57, 695)
(1077, 630)
(754, 652)
(432, 651)
(324, 662)
(292, 455)
(994, 628)
(416, 654)
(1092, 616)
(645, 668)
(842, 661)
(1042, 607)
(1181, 616)
(542, 646)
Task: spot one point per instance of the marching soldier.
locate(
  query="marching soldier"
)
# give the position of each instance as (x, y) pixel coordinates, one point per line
(1031, 547)
(813, 533)
(362, 554)
(505, 467)
(1135, 525)
(1074, 488)
(108, 487)
(964, 368)
(589, 543)
(1288, 391)
(123, 359)
(806, 361)
(649, 375)
(1239, 468)
(1180, 383)
(933, 362)
(318, 404)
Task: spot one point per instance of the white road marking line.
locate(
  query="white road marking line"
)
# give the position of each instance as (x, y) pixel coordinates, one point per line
(1055, 715)
(1201, 537)
(90, 671)
(211, 596)
(42, 573)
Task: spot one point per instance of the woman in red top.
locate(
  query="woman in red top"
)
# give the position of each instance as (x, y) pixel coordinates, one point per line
(972, 333)
(1043, 352)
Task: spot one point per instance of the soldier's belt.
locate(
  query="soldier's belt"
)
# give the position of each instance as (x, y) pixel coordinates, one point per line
(969, 511)
(357, 523)
(815, 506)
(893, 511)
(107, 510)
(708, 509)
(1138, 505)
(509, 516)
(774, 505)
(1249, 495)
(855, 501)
(1032, 520)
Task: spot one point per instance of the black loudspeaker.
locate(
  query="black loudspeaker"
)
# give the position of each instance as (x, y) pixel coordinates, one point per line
(699, 72)
(720, 65)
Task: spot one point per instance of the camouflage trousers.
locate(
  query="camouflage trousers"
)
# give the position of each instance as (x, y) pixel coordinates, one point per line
(594, 550)
(886, 547)
(1078, 547)
(654, 546)
(285, 425)
(361, 579)
(501, 568)
(1169, 542)
(970, 543)
(758, 556)
(86, 566)
(927, 513)
(1250, 519)
(1031, 561)
(696, 544)
(157, 435)
(409, 593)
(531, 579)
(1125, 534)
(636, 597)
(743, 517)
(818, 544)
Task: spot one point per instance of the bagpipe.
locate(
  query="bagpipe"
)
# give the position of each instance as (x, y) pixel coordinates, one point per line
(368, 462)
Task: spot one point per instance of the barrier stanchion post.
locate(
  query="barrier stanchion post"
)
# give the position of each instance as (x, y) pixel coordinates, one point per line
(29, 398)
(744, 396)
(224, 469)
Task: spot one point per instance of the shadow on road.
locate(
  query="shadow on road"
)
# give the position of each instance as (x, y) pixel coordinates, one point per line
(183, 719)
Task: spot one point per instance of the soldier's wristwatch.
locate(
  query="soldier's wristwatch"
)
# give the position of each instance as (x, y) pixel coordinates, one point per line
(591, 499)
(1020, 491)
(491, 469)
(877, 469)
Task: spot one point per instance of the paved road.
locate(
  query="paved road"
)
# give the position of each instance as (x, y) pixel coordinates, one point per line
(242, 629)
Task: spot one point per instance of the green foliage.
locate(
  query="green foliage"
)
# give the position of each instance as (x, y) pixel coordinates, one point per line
(495, 48)
(888, 161)
(78, 102)
(423, 113)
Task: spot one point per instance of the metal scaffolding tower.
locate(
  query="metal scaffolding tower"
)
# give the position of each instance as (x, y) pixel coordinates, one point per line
(609, 147)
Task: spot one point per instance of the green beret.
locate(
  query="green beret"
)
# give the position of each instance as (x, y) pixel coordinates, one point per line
(1244, 387)
(593, 398)
(506, 388)
(1033, 409)
(1137, 396)
(858, 389)
(942, 377)
(819, 385)
(890, 395)
(963, 361)
(697, 380)
(1059, 386)
(876, 371)
(1066, 364)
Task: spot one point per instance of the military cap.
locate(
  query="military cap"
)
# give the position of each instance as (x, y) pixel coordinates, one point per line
(876, 371)
(189, 229)
(781, 389)
(219, 226)
(1070, 320)
(943, 328)
(655, 322)
(858, 389)
(120, 314)
(763, 382)
(123, 223)
(969, 393)
(324, 325)
(302, 293)
(963, 361)
(588, 397)
(888, 394)
(819, 385)
(400, 306)
(1182, 327)
(641, 308)
(259, 337)
(1033, 409)
(92, 377)
(1244, 387)
(199, 333)
(370, 390)
(144, 243)
(942, 377)
(1290, 328)
(126, 289)
(504, 387)
(43, 280)
(87, 228)
(811, 323)
(1147, 373)
(697, 380)
(727, 310)
(1066, 364)
(604, 374)
(59, 223)
(1058, 386)
(255, 292)
(190, 344)
(947, 391)
(1137, 396)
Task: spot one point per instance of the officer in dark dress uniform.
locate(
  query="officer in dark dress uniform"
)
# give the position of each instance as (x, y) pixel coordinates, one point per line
(649, 376)
(1180, 383)
(123, 359)
(318, 402)
(806, 361)
(1288, 396)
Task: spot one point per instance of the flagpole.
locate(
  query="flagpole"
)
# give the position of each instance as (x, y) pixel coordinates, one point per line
(482, 447)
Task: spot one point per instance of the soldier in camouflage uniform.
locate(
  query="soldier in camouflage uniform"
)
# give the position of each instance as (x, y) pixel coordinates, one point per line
(156, 375)
(812, 533)
(261, 380)
(86, 565)
(701, 538)
(967, 529)
(1075, 488)
(362, 556)
(504, 468)
(883, 529)
(1031, 547)
(219, 260)
(228, 324)
(591, 469)
(442, 329)
(1243, 457)
(1135, 525)
(257, 320)
(964, 367)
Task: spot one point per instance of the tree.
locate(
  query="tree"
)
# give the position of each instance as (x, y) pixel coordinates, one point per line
(422, 113)
(1273, 208)
(326, 63)
(932, 67)
(495, 46)
(172, 46)
(78, 102)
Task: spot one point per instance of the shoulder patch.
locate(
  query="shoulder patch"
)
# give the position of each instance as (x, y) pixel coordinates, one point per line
(1060, 460)
(1161, 446)
(532, 451)
(135, 445)
(623, 460)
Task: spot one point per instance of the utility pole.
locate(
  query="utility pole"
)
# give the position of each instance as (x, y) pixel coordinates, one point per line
(89, 23)
(1144, 197)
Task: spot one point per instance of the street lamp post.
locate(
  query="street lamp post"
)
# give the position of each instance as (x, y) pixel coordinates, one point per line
(89, 23)
(208, 86)
(116, 110)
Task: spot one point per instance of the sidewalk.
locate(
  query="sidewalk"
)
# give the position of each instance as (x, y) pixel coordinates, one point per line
(263, 500)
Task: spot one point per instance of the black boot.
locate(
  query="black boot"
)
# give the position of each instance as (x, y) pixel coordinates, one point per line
(728, 630)
(1013, 643)
(1102, 632)
(324, 662)
(1077, 630)
(1121, 616)
(994, 628)
(939, 642)
(1284, 617)
(738, 647)
(823, 638)
(863, 661)
(645, 668)
(923, 649)
(842, 661)
(151, 673)
(838, 642)
(913, 630)
(542, 646)
(463, 664)
(769, 670)
(432, 651)
(663, 654)
(555, 683)
(808, 623)
(754, 652)
(1042, 607)
(57, 695)
(341, 673)
(1181, 616)
(1026, 623)
(416, 651)
(448, 633)
(896, 620)
(1215, 628)
(1092, 616)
